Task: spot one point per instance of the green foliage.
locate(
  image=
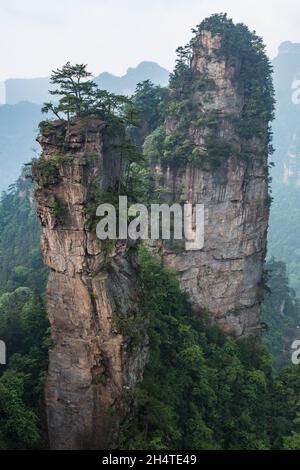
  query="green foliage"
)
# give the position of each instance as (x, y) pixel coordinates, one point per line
(20, 258)
(75, 89)
(154, 145)
(80, 96)
(254, 74)
(25, 330)
(23, 320)
(134, 328)
(246, 52)
(292, 442)
(18, 424)
(58, 210)
(107, 247)
(148, 101)
(281, 314)
(48, 169)
(100, 197)
(201, 389)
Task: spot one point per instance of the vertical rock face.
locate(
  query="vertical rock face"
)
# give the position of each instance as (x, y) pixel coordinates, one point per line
(213, 150)
(92, 369)
(225, 277)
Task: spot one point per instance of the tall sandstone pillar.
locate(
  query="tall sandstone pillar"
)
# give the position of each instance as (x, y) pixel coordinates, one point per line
(214, 151)
(226, 276)
(92, 369)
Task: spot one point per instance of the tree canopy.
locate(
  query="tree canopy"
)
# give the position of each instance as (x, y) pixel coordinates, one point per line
(78, 95)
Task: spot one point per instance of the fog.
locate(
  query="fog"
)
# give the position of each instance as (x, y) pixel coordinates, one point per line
(111, 35)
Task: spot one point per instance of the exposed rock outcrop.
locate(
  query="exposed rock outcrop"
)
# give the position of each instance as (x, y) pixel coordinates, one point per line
(213, 150)
(92, 370)
(225, 277)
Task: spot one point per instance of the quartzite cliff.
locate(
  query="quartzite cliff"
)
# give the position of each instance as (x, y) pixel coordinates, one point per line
(225, 278)
(92, 371)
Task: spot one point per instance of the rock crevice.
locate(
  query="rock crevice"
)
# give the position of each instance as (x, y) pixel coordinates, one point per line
(230, 178)
(92, 371)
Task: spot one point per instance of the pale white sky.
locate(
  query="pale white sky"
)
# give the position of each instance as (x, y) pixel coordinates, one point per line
(112, 35)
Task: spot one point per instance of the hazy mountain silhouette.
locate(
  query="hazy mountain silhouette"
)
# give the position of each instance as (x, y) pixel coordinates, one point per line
(127, 84)
(18, 129)
(35, 90)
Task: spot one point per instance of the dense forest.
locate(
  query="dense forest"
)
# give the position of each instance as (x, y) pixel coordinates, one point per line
(201, 389)
(23, 320)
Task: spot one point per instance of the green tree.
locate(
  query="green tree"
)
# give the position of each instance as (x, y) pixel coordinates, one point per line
(19, 425)
(75, 88)
(79, 96)
(280, 314)
(148, 101)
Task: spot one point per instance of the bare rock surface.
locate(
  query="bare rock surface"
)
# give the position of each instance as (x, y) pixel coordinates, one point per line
(91, 371)
(225, 277)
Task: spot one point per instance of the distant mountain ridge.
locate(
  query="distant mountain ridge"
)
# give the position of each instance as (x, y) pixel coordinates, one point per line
(32, 90)
(18, 131)
(127, 83)
(35, 90)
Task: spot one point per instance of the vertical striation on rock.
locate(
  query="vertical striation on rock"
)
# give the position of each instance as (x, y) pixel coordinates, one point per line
(215, 152)
(92, 367)
(212, 149)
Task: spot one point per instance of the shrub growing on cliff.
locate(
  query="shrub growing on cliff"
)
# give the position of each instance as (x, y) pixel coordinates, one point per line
(75, 89)
(202, 389)
(148, 101)
(80, 96)
(245, 51)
